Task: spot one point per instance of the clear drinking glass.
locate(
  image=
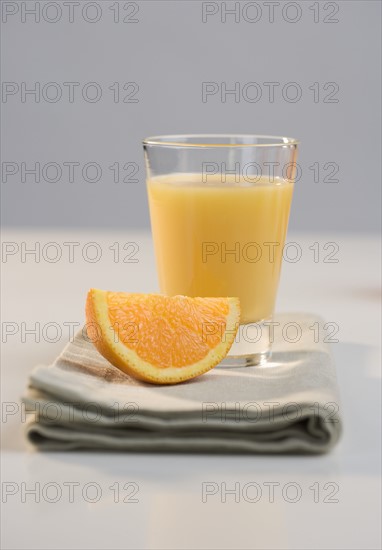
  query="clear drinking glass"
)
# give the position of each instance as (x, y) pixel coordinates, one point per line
(219, 208)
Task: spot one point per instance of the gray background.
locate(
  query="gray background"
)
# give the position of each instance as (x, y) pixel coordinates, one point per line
(169, 52)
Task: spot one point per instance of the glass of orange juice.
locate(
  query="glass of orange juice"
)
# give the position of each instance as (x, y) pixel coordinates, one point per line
(219, 209)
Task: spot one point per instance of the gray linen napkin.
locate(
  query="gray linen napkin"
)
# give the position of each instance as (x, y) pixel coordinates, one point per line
(290, 405)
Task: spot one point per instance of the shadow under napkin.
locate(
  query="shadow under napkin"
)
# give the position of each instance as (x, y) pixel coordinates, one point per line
(289, 406)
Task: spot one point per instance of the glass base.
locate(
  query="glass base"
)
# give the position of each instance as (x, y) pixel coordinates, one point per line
(252, 346)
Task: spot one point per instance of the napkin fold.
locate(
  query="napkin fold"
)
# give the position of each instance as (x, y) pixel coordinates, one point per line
(291, 405)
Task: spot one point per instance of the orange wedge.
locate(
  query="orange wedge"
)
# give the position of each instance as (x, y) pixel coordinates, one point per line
(161, 339)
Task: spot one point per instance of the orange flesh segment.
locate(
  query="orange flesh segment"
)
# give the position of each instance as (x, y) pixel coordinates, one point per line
(168, 334)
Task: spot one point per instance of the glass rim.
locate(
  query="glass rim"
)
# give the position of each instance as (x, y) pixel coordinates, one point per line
(175, 140)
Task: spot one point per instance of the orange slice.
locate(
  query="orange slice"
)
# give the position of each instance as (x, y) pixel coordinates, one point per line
(161, 339)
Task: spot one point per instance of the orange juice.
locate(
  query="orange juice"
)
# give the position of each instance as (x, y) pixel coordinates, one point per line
(220, 239)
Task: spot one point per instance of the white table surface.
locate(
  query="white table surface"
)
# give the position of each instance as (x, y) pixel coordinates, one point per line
(170, 513)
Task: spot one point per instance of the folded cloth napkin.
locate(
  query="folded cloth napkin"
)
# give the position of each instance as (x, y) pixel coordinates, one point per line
(291, 405)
